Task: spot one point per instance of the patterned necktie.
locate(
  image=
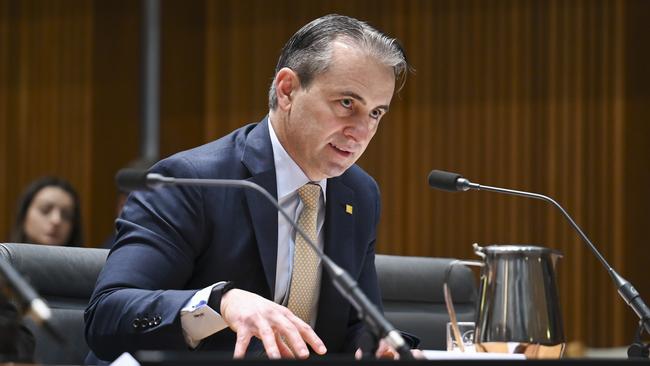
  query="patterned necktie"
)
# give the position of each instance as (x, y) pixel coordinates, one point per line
(305, 276)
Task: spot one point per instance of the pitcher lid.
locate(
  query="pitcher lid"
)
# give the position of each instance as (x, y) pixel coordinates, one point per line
(517, 248)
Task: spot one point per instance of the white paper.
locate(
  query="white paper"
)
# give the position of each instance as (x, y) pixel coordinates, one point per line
(446, 355)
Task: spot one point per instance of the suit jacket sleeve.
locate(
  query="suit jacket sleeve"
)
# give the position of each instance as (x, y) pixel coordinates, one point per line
(140, 291)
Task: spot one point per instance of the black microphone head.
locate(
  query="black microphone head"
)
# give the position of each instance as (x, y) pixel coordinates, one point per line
(444, 180)
(130, 179)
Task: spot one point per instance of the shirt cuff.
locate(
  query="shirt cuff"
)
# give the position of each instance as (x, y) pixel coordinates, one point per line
(198, 320)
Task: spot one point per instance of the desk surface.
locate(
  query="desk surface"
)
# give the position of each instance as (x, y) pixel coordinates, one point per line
(153, 358)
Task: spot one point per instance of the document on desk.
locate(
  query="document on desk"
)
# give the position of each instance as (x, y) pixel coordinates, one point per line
(455, 355)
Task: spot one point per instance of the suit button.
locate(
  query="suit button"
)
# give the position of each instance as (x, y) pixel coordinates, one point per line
(157, 319)
(136, 323)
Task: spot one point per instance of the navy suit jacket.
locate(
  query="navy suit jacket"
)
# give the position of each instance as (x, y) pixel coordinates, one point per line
(172, 241)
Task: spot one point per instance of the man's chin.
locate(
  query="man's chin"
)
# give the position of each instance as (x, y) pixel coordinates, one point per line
(336, 171)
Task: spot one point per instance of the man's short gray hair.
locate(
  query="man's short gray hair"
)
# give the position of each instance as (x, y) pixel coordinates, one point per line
(308, 52)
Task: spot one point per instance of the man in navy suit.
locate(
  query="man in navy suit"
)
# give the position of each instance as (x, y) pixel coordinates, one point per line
(211, 268)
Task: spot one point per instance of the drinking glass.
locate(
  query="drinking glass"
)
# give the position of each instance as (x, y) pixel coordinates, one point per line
(466, 330)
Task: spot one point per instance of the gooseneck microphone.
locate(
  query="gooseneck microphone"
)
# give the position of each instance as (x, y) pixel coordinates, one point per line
(134, 179)
(453, 182)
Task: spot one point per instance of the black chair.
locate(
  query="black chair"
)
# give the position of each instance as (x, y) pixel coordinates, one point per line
(65, 277)
(413, 298)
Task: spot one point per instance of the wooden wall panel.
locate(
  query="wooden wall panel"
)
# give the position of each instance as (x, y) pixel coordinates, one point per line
(636, 105)
(46, 96)
(547, 96)
(182, 83)
(5, 70)
(116, 106)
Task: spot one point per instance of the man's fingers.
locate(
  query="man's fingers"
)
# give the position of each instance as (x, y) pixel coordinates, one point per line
(418, 354)
(267, 336)
(251, 315)
(242, 345)
(386, 351)
(387, 354)
(292, 337)
(358, 354)
(308, 334)
(285, 351)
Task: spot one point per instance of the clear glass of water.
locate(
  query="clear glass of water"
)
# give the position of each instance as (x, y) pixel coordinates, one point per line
(466, 330)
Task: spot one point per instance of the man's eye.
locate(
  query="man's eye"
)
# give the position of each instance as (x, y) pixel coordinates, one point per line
(376, 113)
(346, 103)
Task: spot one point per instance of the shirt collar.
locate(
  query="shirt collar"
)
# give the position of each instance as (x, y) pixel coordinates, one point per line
(288, 175)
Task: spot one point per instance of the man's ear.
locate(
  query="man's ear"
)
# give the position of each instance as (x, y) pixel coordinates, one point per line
(286, 84)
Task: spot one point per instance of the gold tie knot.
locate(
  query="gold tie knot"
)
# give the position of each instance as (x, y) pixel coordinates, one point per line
(310, 195)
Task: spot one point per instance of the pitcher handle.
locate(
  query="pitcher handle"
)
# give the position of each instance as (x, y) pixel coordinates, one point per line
(449, 302)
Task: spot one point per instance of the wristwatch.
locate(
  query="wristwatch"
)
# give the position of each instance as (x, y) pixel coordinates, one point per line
(217, 293)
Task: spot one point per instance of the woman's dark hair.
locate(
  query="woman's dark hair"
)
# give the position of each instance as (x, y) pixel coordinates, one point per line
(18, 230)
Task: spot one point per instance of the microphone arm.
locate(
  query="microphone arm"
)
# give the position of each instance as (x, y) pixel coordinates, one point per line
(343, 282)
(31, 304)
(625, 288)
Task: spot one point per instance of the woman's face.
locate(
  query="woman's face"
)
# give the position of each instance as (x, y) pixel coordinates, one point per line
(50, 216)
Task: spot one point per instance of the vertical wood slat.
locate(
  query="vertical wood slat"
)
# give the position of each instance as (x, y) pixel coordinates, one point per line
(5, 130)
(115, 66)
(619, 218)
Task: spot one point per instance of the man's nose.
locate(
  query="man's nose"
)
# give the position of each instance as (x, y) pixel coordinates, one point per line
(359, 129)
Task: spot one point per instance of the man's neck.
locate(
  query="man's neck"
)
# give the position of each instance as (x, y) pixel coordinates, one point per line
(278, 121)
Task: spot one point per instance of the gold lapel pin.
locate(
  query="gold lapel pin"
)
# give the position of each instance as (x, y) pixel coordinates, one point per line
(348, 209)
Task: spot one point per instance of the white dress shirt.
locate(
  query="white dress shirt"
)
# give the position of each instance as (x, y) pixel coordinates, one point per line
(198, 320)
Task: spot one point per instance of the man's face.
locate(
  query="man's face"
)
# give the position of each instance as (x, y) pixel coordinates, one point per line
(326, 127)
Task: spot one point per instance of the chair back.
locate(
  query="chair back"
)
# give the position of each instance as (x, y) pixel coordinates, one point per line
(65, 277)
(413, 299)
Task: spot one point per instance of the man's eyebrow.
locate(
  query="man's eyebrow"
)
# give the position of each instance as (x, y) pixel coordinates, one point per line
(363, 101)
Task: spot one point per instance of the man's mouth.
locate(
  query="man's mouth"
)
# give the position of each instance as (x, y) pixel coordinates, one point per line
(340, 151)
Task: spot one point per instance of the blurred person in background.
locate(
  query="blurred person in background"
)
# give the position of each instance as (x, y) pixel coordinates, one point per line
(48, 212)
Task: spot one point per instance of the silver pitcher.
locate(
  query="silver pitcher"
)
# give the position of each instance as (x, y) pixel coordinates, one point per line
(518, 308)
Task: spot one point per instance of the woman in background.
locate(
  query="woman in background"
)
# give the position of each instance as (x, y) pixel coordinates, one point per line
(48, 213)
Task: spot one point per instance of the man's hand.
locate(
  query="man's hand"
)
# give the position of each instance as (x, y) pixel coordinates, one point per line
(387, 352)
(282, 333)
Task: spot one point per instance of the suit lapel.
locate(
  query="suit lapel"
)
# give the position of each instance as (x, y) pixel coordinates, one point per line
(339, 234)
(340, 247)
(258, 158)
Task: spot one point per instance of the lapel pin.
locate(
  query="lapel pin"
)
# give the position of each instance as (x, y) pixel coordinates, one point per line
(348, 209)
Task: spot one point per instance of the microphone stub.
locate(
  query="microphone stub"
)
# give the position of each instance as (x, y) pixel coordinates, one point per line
(445, 181)
(129, 179)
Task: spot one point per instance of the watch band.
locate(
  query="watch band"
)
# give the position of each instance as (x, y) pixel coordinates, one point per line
(217, 293)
